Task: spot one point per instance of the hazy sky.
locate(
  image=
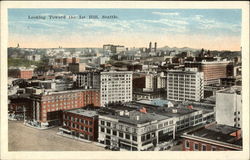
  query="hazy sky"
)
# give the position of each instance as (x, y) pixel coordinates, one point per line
(211, 29)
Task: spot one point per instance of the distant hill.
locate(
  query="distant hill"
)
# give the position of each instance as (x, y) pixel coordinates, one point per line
(183, 49)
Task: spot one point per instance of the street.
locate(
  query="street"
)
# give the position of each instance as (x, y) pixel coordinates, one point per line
(23, 138)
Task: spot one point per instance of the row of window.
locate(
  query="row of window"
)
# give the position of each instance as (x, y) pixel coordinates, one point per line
(196, 146)
(119, 134)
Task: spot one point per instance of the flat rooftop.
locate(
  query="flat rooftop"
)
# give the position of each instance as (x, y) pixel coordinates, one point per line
(83, 112)
(136, 117)
(218, 132)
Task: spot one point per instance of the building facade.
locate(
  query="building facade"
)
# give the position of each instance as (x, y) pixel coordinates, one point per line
(116, 86)
(21, 73)
(213, 70)
(81, 124)
(215, 137)
(134, 131)
(88, 80)
(48, 107)
(229, 106)
(77, 67)
(185, 85)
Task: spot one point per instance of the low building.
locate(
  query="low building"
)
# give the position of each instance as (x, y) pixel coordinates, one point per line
(80, 123)
(134, 130)
(215, 137)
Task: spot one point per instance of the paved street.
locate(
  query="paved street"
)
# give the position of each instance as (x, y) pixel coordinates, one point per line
(23, 138)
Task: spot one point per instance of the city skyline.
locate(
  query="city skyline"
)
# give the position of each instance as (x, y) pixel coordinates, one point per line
(194, 28)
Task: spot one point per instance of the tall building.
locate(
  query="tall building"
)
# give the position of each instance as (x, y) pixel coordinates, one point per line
(213, 70)
(185, 85)
(229, 106)
(88, 80)
(116, 86)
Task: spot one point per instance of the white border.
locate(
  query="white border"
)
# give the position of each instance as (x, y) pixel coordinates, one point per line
(126, 155)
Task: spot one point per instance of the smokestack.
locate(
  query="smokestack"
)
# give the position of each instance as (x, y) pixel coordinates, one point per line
(155, 46)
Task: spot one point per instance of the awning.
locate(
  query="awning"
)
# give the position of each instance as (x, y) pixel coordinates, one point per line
(63, 129)
(147, 146)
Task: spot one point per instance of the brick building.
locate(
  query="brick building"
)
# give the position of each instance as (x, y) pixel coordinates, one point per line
(213, 70)
(215, 137)
(48, 107)
(81, 124)
(20, 73)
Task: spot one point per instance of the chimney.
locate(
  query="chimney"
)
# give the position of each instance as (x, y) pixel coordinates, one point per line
(137, 117)
(174, 110)
(155, 46)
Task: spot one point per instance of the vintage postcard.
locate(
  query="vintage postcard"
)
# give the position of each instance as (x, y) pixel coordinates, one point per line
(124, 80)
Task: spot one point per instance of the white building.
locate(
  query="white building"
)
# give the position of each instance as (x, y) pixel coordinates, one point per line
(116, 86)
(229, 106)
(134, 131)
(185, 85)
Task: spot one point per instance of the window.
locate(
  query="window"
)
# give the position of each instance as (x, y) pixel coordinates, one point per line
(187, 144)
(102, 123)
(102, 129)
(134, 138)
(121, 134)
(213, 148)
(143, 138)
(196, 146)
(115, 133)
(108, 124)
(204, 147)
(90, 129)
(108, 131)
(127, 136)
(148, 136)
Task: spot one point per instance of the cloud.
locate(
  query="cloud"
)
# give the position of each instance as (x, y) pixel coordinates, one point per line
(166, 13)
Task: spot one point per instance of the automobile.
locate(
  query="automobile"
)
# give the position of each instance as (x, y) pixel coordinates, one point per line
(107, 147)
(115, 149)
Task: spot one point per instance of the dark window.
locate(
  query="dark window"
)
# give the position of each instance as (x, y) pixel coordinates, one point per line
(108, 124)
(102, 122)
(90, 122)
(102, 129)
(115, 133)
(196, 146)
(213, 148)
(143, 138)
(90, 129)
(127, 136)
(108, 131)
(134, 138)
(204, 147)
(121, 134)
(148, 136)
(187, 144)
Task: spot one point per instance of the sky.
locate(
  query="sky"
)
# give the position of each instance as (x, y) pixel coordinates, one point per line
(214, 29)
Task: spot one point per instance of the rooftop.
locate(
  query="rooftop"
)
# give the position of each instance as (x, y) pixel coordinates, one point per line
(231, 90)
(136, 117)
(86, 113)
(218, 132)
